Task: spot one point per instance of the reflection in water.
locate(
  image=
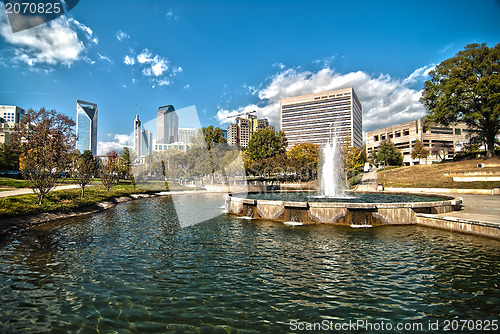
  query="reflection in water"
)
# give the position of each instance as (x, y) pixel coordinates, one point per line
(134, 269)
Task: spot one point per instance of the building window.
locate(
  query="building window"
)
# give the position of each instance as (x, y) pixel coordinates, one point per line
(406, 132)
(375, 138)
(458, 132)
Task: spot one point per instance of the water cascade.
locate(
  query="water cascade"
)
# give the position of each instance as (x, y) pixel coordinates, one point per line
(331, 176)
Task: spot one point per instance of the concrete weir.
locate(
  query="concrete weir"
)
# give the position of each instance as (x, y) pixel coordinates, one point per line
(374, 214)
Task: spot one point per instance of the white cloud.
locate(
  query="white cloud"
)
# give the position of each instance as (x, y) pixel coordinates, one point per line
(82, 27)
(157, 68)
(116, 143)
(121, 35)
(55, 42)
(129, 60)
(101, 57)
(50, 43)
(419, 74)
(386, 101)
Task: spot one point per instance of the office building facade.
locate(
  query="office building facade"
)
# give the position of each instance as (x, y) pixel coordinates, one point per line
(167, 125)
(314, 118)
(451, 139)
(86, 126)
(9, 117)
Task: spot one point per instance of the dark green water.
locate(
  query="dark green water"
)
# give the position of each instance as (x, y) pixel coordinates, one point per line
(349, 198)
(132, 269)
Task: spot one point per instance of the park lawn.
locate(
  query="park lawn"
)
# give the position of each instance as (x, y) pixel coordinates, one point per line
(61, 200)
(432, 176)
(10, 183)
(66, 200)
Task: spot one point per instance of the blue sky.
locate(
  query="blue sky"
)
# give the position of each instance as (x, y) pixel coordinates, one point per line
(226, 57)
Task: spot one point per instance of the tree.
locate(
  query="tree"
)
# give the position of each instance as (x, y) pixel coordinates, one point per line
(439, 150)
(43, 140)
(304, 158)
(213, 136)
(84, 167)
(419, 151)
(389, 154)
(108, 171)
(266, 144)
(9, 158)
(126, 165)
(466, 88)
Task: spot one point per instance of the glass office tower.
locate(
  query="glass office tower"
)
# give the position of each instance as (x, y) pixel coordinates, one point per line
(86, 126)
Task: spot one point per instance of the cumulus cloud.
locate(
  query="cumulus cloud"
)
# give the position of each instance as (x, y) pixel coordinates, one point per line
(386, 100)
(129, 60)
(55, 42)
(115, 142)
(157, 68)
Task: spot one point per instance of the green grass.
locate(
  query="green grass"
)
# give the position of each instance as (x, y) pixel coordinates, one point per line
(62, 200)
(8, 182)
(66, 200)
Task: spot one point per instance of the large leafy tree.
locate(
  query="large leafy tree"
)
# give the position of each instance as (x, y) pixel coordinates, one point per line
(266, 144)
(304, 159)
(43, 140)
(389, 154)
(466, 88)
(213, 136)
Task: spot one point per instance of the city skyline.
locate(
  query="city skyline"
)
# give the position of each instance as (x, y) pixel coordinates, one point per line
(215, 57)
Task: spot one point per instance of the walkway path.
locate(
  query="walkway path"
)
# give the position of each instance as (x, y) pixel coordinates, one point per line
(368, 181)
(24, 191)
(482, 208)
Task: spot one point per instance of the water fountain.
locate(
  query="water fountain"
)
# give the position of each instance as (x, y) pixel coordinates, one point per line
(330, 174)
(332, 204)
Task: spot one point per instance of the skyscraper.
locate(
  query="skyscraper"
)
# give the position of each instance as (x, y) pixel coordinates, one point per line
(86, 126)
(167, 125)
(312, 118)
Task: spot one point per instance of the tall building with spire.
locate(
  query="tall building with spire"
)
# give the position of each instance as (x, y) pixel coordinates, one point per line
(143, 139)
(86, 126)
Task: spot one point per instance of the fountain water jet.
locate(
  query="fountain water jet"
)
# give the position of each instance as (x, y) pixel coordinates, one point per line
(330, 173)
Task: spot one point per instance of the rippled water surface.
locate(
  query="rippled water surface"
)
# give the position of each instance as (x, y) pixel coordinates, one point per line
(133, 269)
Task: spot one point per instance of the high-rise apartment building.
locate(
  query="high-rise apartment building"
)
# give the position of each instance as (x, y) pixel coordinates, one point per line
(9, 117)
(86, 126)
(314, 118)
(167, 125)
(242, 130)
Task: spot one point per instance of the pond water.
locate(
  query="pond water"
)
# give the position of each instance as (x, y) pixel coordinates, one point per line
(349, 198)
(133, 269)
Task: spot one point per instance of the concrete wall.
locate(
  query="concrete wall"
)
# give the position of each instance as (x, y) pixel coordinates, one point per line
(338, 213)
